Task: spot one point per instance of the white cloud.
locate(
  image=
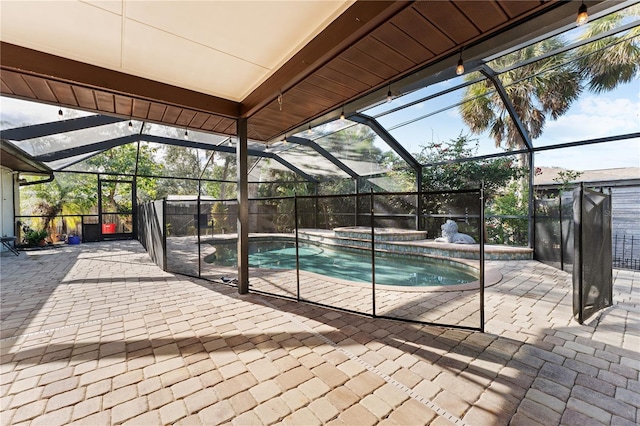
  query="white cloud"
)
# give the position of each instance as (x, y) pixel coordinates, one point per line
(593, 117)
(593, 157)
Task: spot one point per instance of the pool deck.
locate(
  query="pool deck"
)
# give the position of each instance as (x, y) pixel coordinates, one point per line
(97, 334)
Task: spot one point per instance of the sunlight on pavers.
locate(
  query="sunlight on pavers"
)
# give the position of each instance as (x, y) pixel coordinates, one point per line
(97, 334)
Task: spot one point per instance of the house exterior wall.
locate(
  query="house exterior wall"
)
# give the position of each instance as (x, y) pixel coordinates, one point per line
(625, 206)
(8, 200)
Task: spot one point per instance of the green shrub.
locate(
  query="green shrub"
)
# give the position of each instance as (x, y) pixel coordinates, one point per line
(33, 237)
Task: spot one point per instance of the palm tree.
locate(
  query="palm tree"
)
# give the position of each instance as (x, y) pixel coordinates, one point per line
(547, 88)
(608, 62)
(67, 194)
(537, 90)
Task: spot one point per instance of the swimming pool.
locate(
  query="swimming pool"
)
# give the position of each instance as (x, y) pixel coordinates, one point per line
(407, 271)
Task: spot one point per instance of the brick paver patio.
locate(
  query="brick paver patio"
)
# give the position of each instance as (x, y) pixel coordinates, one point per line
(97, 334)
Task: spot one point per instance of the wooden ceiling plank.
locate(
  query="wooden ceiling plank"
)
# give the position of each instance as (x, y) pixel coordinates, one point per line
(302, 97)
(359, 73)
(141, 109)
(298, 113)
(286, 114)
(486, 15)
(330, 86)
(198, 120)
(232, 130)
(123, 105)
(362, 59)
(277, 121)
(185, 117)
(268, 131)
(65, 94)
(252, 134)
(85, 98)
(385, 54)
(270, 126)
(320, 92)
(41, 89)
(446, 17)
(4, 87)
(421, 30)
(404, 45)
(171, 115)
(223, 125)
(18, 85)
(519, 7)
(156, 111)
(105, 102)
(342, 78)
(212, 122)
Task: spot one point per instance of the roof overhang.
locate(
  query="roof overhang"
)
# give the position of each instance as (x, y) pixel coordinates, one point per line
(17, 160)
(350, 56)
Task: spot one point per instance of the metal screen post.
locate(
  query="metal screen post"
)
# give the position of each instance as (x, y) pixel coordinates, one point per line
(295, 213)
(561, 235)
(99, 209)
(198, 225)
(164, 234)
(134, 207)
(580, 256)
(419, 200)
(373, 257)
(134, 193)
(315, 206)
(531, 228)
(482, 258)
(357, 211)
(243, 207)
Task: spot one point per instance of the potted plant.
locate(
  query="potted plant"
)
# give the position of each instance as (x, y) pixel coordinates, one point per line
(35, 238)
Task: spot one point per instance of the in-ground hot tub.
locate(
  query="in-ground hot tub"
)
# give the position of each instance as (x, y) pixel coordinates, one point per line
(380, 234)
(403, 241)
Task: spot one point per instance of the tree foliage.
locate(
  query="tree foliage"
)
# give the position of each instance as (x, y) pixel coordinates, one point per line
(122, 159)
(613, 60)
(67, 194)
(180, 163)
(495, 173)
(541, 89)
(502, 226)
(546, 88)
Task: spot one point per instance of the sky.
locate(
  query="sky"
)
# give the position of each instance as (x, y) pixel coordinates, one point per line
(596, 116)
(591, 116)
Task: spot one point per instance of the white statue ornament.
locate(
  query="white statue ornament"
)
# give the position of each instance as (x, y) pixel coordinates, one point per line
(450, 234)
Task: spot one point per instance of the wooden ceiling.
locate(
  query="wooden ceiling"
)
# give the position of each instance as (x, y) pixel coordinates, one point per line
(370, 45)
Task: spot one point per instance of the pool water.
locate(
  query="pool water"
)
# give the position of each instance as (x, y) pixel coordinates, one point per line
(346, 265)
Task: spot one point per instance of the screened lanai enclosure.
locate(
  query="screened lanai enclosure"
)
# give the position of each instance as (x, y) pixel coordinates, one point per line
(353, 208)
